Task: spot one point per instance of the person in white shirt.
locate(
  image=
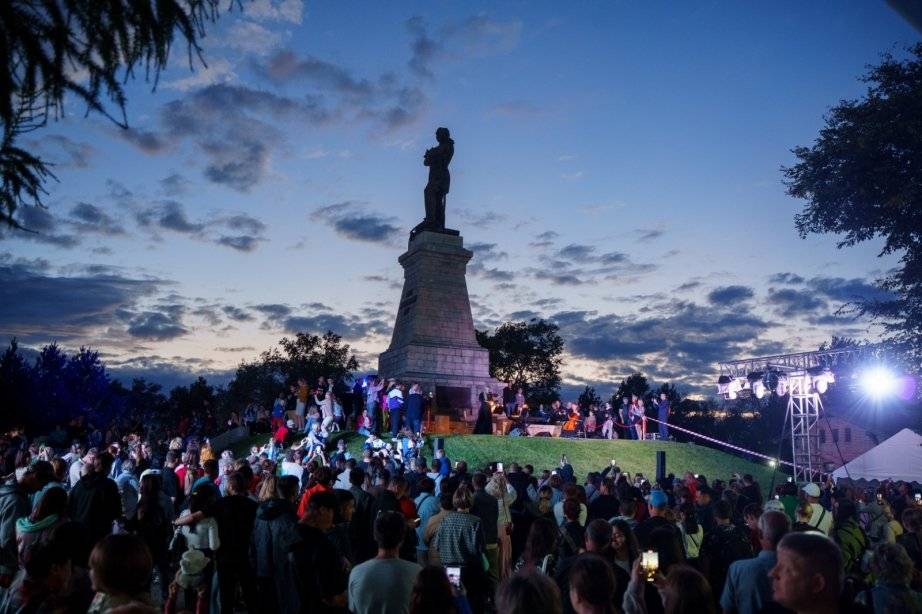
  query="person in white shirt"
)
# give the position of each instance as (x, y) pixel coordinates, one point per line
(822, 518)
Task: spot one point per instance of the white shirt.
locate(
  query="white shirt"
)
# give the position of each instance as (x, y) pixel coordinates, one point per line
(821, 519)
(202, 536)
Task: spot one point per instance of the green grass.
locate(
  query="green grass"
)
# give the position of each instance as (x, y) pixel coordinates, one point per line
(584, 454)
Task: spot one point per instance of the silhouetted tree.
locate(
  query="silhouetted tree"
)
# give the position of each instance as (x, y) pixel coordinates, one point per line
(862, 179)
(588, 397)
(526, 355)
(635, 384)
(85, 50)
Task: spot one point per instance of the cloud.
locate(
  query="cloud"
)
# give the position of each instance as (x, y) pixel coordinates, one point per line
(175, 184)
(38, 304)
(730, 295)
(649, 234)
(575, 252)
(90, 218)
(545, 239)
(384, 100)
(241, 243)
(517, 109)
(574, 176)
(352, 221)
(64, 151)
(236, 313)
(245, 223)
(478, 219)
(475, 37)
(577, 264)
(789, 302)
(41, 226)
(216, 71)
(242, 348)
(251, 38)
(287, 11)
(689, 285)
(350, 326)
(169, 215)
(146, 141)
(487, 251)
(156, 326)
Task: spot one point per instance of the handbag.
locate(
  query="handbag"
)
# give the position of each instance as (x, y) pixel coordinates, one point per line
(178, 544)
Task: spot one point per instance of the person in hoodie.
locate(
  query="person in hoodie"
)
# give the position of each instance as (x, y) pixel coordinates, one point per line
(274, 537)
(94, 501)
(14, 504)
(36, 528)
(128, 487)
(415, 409)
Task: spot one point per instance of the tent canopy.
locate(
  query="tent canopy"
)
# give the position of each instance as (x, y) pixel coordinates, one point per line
(896, 458)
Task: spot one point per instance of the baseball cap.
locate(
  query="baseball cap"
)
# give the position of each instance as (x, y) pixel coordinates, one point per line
(290, 424)
(811, 490)
(658, 499)
(774, 506)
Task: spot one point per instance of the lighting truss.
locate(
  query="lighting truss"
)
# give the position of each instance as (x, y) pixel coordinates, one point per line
(804, 376)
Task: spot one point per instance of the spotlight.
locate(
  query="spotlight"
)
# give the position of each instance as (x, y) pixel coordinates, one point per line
(878, 382)
(758, 388)
(772, 463)
(782, 388)
(821, 377)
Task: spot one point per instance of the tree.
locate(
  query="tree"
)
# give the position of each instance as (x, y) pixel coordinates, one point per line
(85, 50)
(588, 397)
(862, 179)
(636, 384)
(526, 355)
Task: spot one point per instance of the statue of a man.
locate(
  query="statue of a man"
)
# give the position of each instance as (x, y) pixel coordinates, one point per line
(438, 159)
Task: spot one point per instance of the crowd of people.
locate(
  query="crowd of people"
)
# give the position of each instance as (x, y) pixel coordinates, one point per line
(302, 525)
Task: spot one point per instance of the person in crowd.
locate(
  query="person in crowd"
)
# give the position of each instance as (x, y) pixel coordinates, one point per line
(235, 514)
(128, 487)
(528, 592)
(484, 423)
(850, 537)
(597, 544)
(387, 569)
(39, 526)
(591, 585)
(605, 504)
(748, 588)
(320, 570)
(625, 548)
(414, 407)
(427, 506)
(808, 575)
(681, 590)
(395, 407)
(274, 535)
(723, 546)
(656, 510)
(151, 522)
(663, 410)
(486, 509)
(911, 541)
(692, 533)
(572, 532)
(46, 583)
(460, 543)
(446, 506)
(120, 570)
(822, 518)
(505, 495)
(878, 527)
(95, 501)
(893, 572)
(541, 548)
(432, 592)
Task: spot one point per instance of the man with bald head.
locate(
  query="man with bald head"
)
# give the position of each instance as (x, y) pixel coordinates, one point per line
(809, 575)
(748, 588)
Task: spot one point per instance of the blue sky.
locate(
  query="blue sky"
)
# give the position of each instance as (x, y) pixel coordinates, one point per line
(616, 170)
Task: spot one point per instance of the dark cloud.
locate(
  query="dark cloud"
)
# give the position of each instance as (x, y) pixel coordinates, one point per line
(790, 302)
(274, 311)
(577, 264)
(483, 220)
(730, 295)
(38, 304)
(786, 278)
(689, 285)
(245, 223)
(383, 100)
(476, 37)
(156, 326)
(286, 319)
(545, 239)
(241, 243)
(649, 234)
(169, 215)
(487, 251)
(146, 141)
(242, 348)
(64, 151)
(352, 221)
(848, 290)
(90, 218)
(236, 313)
(576, 252)
(175, 184)
(41, 226)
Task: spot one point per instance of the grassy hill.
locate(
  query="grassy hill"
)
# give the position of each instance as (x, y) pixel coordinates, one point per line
(584, 454)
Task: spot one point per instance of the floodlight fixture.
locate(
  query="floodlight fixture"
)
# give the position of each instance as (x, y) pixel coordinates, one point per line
(879, 382)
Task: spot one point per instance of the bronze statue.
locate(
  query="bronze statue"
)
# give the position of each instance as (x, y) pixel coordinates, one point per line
(437, 159)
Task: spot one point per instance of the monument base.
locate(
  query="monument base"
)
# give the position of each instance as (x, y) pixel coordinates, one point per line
(434, 343)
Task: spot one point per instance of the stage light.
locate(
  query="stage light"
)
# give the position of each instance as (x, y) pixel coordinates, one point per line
(772, 463)
(758, 388)
(878, 382)
(732, 395)
(782, 388)
(723, 384)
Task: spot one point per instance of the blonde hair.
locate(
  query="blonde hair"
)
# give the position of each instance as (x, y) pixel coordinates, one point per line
(269, 489)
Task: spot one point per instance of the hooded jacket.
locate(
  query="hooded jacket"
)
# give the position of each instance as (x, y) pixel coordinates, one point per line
(14, 504)
(274, 536)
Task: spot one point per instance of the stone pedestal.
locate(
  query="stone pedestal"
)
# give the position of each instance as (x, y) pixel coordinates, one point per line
(434, 341)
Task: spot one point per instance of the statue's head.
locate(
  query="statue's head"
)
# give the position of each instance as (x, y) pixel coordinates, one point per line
(441, 135)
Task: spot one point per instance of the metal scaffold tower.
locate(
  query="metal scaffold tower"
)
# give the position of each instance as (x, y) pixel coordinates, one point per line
(804, 377)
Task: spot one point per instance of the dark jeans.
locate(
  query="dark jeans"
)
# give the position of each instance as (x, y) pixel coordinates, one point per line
(232, 574)
(395, 422)
(475, 584)
(415, 423)
(663, 429)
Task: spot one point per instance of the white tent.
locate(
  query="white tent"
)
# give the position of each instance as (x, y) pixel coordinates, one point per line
(896, 458)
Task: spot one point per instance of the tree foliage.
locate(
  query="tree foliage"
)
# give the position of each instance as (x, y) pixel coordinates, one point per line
(862, 179)
(84, 50)
(526, 355)
(635, 384)
(588, 397)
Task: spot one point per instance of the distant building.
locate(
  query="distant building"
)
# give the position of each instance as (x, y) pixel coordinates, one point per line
(841, 440)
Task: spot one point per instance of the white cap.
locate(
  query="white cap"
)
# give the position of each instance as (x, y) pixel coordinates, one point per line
(811, 490)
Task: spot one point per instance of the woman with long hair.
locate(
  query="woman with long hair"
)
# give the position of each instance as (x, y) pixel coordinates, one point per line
(692, 531)
(624, 545)
(540, 547)
(682, 590)
(152, 523)
(432, 592)
(37, 527)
